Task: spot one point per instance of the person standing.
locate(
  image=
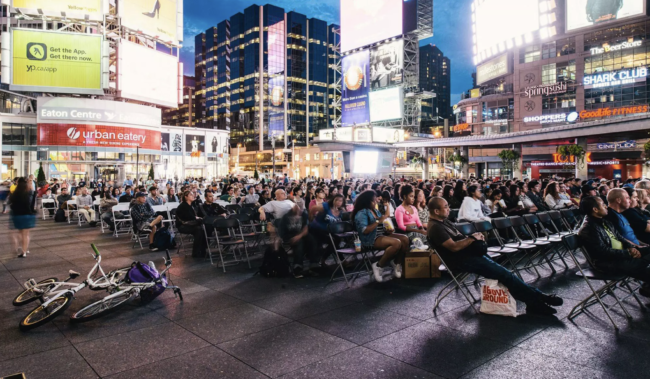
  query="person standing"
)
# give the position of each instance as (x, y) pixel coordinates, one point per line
(32, 183)
(22, 217)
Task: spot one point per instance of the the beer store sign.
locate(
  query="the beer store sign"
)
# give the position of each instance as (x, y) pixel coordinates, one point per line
(545, 89)
(621, 46)
(616, 78)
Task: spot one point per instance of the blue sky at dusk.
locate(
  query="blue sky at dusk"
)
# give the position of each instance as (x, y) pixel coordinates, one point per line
(451, 24)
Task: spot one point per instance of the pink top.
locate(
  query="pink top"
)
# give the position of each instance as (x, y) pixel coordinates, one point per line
(312, 203)
(404, 218)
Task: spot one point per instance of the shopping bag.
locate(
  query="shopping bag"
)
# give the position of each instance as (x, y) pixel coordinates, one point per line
(497, 300)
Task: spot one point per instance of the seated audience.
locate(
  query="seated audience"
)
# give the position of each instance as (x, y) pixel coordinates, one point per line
(188, 222)
(406, 215)
(619, 202)
(293, 229)
(471, 209)
(639, 222)
(144, 217)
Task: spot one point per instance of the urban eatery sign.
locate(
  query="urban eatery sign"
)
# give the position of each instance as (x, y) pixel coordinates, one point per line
(616, 78)
(606, 112)
(545, 89)
(97, 136)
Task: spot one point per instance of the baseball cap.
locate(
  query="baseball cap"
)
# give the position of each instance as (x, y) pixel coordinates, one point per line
(586, 188)
(140, 194)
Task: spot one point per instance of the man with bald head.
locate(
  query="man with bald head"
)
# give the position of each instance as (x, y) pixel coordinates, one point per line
(278, 207)
(468, 254)
(619, 202)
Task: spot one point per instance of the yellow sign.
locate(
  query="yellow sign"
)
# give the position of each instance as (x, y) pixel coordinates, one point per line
(93, 8)
(156, 18)
(476, 93)
(51, 60)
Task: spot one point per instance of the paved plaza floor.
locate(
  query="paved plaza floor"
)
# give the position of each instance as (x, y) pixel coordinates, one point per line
(238, 325)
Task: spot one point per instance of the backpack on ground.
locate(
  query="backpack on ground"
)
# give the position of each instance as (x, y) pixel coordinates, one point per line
(60, 216)
(143, 273)
(164, 239)
(275, 263)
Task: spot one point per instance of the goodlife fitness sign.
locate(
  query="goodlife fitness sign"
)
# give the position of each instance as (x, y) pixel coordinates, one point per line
(97, 136)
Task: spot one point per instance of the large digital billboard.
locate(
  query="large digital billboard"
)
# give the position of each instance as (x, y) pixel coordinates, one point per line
(276, 106)
(493, 69)
(147, 75)
(387, 65)
(499, 25)
(355, 88)
(47, 61)
(387, 104)
(585, 13)
(364, 22)
(157, 18)
(72, 8)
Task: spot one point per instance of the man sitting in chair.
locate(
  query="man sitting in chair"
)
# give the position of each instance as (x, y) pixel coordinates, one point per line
(144, 217)
(609, 251)
(468, 254)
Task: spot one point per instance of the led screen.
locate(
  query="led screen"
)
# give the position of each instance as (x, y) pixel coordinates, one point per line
(585, 13)
(276, 106)
(156, 18)
(365, 162)
(386, 104)
(387, 65)
(364, 22)
(147, 75)
(499, 23)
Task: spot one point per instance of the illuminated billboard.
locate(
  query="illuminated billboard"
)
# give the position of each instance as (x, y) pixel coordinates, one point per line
(194, 145)
(147, 75)
(276, 106)
(47, 61)
(493, 69)
(386, 104)
(157, 18)
(387, 65)
(355, 88)
(586, 13)
(364, 22)
(72, 8)
(499, 25)
(97, 136)
(365, 161)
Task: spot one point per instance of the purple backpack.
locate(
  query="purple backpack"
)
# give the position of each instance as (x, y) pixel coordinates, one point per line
(143, 273)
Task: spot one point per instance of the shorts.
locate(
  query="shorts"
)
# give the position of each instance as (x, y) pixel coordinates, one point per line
(23, 221)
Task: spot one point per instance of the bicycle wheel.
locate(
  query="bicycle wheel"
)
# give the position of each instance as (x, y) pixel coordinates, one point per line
(41, 315)
(102, 307)
(27, 296)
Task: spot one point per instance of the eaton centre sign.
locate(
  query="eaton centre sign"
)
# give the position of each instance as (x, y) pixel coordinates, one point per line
(616, 78)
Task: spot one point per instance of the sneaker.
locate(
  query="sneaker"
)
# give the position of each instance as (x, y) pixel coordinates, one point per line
(297, 272)
(552, 299)
(397, 270)
(152, 247)
(377, 272)
(540, 309)
(22, 255)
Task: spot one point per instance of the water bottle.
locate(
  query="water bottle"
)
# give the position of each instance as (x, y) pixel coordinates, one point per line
(357, 244)
(264, 227)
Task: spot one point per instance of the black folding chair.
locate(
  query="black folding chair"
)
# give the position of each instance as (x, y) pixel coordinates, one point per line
(504, 225)
(538, 231)
(453, 215)
(459, 279)
(227, 236)
(249, 228)
(611, 283)
(233, 208)
(345, 232)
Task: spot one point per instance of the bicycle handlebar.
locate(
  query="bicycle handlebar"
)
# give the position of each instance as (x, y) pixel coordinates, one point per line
(95, 250)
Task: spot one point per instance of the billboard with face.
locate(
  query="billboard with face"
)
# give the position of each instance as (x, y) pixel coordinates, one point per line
(387, 65)
(164, 142)
(356, 85)
(176, 141)
(194, 145)
(586, 13)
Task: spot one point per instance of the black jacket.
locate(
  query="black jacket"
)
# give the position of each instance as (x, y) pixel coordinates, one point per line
(597, 242)
(539, 203)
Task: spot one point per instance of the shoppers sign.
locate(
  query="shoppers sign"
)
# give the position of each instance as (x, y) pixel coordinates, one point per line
(493, 69)
(631, 144)
(97, 136)
(59, 109)
(547, 118)
(545, 89)
(621, 46)
(45, 61)
(616, 78)
(606, 112)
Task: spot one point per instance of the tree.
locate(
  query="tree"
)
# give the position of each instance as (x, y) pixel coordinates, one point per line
(151, 173)
(40, 176)
(256, 175)
(510, 159)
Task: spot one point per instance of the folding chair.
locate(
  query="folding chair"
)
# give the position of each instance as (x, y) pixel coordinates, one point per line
(537, 229)
(556, 216)
(571, 218)
(345, 230)
(233, 208)
(165, 213)
(345, 216)
(251, 229)
(611, 283)
(246, 211)
(138, 235)
(459, 279)
(122, 225)
(226, 238)
(46, 211)
(72, 211)
(504, 224)
(453, 215)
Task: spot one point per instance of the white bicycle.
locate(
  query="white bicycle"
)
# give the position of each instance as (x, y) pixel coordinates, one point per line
(125, 292)
(55, 296)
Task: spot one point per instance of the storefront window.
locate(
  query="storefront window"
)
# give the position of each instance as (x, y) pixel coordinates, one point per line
(617, 96)
(615, 60)
(316, 156)
(548, 74)
(498, 110)
(326, 156)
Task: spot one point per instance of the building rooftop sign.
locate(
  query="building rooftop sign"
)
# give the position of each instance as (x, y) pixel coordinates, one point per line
(57, 110)
(616, 78)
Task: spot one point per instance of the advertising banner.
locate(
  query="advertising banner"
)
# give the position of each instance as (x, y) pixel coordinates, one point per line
(493, 69)
(387, 65)
(213, 144)
(97, 136)
(276, 106)
(56, 62)
(354, 94)
(59, 109)
(364, 22)
(147, 75)
(156, 18)
(176, 141)
(586, 13)
(71, 8)
(164, 142)
(194, 145)
(386, 104)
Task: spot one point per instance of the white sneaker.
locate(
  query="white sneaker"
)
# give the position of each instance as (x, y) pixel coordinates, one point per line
(397, 270)
(377, 272)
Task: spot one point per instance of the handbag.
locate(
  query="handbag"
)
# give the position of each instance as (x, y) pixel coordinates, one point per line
(497, 300)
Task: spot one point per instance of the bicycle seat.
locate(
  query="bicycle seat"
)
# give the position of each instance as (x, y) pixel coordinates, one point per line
(73, 274)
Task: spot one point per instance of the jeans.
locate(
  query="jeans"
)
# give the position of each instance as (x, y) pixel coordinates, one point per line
(635, 268)
(304, 247)
(487, 268)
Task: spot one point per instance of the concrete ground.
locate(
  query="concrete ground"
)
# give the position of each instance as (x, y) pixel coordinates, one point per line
(237, 325)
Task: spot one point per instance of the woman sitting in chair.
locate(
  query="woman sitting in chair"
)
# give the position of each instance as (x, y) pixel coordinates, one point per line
(366, 220)
(406, 215)
(320, 216)
(188, 222)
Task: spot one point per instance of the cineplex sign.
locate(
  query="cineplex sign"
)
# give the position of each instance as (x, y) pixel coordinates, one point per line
(97, 136)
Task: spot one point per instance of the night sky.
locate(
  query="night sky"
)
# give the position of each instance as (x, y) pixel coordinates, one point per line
(451, 28)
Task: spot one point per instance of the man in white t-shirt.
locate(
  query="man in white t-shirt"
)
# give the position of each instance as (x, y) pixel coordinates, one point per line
(279, 207)
(471, 210)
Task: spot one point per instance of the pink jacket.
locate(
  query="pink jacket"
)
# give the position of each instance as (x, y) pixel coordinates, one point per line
(403, 218)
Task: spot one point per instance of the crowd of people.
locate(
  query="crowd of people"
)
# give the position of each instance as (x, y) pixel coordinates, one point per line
(615, 230)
